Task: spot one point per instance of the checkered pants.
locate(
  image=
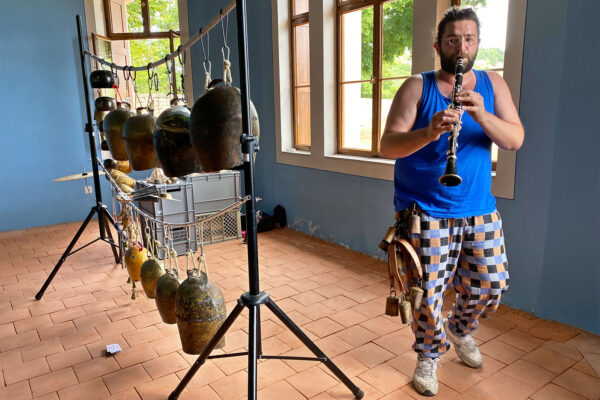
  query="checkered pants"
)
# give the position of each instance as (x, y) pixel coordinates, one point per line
(469, 254)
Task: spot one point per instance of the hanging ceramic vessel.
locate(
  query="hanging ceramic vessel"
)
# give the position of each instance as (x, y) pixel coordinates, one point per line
(216, 128)
(105, 103)
(172, 143)
(113, 131)
(200, 312)
(137, 134)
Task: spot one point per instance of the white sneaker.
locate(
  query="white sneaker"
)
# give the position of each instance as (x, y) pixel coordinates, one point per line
(465, 347)
(425, 377)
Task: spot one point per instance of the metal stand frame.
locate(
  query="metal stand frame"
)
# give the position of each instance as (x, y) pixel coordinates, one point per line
(255, 298)
(103, 215)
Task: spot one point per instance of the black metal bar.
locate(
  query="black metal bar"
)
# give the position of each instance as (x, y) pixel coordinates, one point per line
(248, 149)
(209, 348)
(294, 358)
(104, 213)
(244, 353)
(65, 254)
(313, 347)
(89, 127)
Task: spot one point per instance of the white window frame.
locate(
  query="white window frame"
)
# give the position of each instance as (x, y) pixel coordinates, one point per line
(322, 154)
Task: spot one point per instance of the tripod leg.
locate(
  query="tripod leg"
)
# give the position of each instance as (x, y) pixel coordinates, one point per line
(253, 335)
(313, 347)
(66, 253)
(209, 348)
(107, 219)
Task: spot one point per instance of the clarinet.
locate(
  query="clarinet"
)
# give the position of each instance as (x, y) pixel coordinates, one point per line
(451, 177)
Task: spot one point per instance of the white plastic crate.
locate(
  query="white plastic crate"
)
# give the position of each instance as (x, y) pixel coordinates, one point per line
(214, 191)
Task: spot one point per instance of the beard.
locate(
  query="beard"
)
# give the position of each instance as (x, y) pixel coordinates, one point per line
(448, 64)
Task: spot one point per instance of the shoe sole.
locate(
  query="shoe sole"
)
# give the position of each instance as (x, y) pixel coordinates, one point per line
(450, 334)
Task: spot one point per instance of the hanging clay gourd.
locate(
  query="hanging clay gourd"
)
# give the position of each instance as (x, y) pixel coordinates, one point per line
(137, 134)
(134, 258)
(151, 271)
(200, 312)
(172, 142)
(113, 131)
(216, 128)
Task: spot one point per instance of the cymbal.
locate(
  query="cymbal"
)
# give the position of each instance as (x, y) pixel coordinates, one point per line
(77, 176)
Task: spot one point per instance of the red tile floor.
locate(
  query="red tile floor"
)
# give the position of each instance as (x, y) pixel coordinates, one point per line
(53, 348)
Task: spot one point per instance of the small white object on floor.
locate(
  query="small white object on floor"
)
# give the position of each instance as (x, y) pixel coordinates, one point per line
(112, 349)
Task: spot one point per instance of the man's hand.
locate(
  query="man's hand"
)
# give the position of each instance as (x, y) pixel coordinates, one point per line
(472, 103)
(441, 122)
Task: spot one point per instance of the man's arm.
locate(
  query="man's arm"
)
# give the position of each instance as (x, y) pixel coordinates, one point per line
(398, 140)
(504, 126)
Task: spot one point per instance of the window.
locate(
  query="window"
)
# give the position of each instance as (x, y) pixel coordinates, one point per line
(140, 32)
(356, 155)
(493, 17)
(301, 73)
(374, 58)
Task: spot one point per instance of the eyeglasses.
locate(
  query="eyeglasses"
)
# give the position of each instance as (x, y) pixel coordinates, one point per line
(456, 40)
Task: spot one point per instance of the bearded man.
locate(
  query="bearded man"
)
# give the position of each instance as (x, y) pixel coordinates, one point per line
(459, 239)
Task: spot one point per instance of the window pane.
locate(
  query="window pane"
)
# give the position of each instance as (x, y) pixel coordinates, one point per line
(302, 55)
(300, 6)
(135, 23)
(397, 38)
(389, 89)
(357, 115)
(302, 116)
(493, 18)
(357, 45)
(164, 15)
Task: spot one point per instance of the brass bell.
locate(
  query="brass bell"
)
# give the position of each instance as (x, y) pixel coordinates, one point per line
(151, 271)
(387, 239)
(216, 128)
(164, 296)
(113, 130)
(405, 311)
(200, 312)
(171, 139)
(415, 296)
(391, 306)
(137, 135)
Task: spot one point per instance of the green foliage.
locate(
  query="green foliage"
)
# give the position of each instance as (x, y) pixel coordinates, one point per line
(397, 44)
(164, 16)
(490, 58)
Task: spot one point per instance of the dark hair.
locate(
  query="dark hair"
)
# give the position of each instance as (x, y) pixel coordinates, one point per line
(456, 14)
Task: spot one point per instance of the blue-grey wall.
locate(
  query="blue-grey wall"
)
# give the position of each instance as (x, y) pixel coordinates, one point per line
(551, 226)
(41, 114)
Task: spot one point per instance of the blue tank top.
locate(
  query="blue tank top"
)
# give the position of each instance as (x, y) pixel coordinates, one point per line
(416, 177)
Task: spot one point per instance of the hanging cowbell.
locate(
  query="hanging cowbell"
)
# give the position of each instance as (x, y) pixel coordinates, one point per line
(105, 103)
(113, 131)
(200, 312)
(137, 134)
(164, 296)
(150, 273)
(216, 128)
(172, 142)
(102, 79)
(134, 258)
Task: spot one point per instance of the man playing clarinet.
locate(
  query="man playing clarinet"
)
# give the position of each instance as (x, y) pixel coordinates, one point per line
(458, 234)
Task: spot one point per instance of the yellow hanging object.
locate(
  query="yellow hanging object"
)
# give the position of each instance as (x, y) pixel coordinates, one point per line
(134, 258)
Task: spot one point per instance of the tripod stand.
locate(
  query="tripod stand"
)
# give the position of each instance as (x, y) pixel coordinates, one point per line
(255, 298)
(103, 215)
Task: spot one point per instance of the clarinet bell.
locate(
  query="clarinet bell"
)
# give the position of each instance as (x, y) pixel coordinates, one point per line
(450, 177)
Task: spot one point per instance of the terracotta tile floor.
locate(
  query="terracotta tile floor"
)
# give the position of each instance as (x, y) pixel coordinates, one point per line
(53, 348)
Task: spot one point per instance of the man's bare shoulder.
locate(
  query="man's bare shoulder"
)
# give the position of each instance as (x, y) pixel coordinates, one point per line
(412, 87)
(496, 78)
